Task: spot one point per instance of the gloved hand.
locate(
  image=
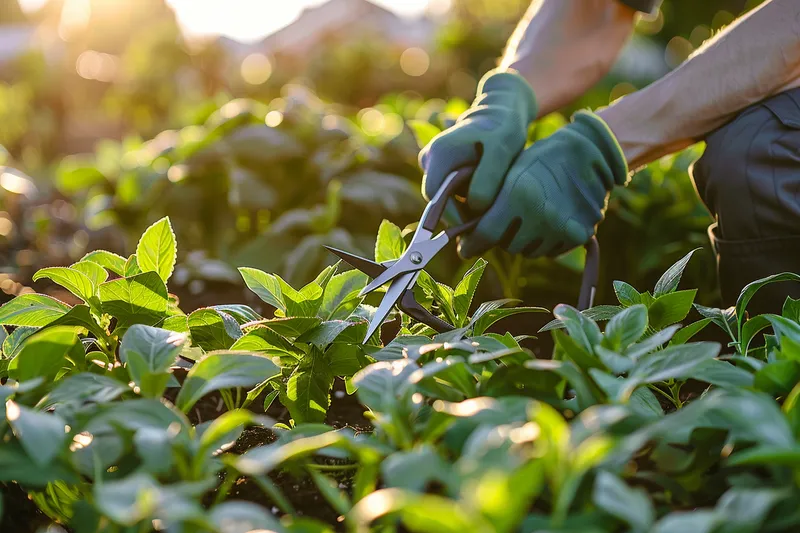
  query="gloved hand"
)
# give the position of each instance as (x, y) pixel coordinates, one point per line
(489, 135)
(555, 193)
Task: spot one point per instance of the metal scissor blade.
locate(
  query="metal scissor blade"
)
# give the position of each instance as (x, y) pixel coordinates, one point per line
(370, 268)
(392, 296)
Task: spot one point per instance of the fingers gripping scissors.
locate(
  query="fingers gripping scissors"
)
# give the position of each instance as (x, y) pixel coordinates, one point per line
(402, 273)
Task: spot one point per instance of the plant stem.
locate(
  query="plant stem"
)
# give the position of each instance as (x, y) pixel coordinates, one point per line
(332, 468)
(222, 491)
(269, 488)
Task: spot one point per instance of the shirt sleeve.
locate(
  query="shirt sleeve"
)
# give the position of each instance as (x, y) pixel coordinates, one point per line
(645, 6)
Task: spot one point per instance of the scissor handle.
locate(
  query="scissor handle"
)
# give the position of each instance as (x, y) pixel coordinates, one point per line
(456, 180)
(591, 274)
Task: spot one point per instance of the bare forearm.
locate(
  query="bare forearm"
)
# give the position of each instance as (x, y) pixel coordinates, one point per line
(564, 47)
(754, 58)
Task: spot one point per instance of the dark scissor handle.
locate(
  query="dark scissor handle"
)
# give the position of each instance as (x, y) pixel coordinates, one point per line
(591, 273)
(455, 182)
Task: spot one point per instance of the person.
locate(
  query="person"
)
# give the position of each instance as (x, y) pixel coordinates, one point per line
(739, 92)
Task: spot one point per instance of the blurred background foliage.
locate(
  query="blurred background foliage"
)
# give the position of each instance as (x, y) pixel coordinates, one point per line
(113, 118)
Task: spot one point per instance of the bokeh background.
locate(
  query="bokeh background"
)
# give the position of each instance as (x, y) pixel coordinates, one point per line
(267, 128)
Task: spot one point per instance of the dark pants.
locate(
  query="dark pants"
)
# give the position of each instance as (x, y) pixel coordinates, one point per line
(749, 178)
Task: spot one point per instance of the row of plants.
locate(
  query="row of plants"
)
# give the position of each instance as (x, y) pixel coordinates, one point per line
(629, 427)
(299, 173)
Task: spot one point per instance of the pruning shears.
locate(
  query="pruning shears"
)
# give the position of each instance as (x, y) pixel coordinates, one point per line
(403, 272)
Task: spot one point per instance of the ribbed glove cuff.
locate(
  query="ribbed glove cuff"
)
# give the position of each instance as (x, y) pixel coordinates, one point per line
(595, 128)
(511, 83)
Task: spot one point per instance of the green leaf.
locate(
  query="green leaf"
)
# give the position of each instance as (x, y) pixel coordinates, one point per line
(240, 312)
(80, 315)
(724, 318)
(307, 393)
(305, 302)
(767, 455)
(84, 387)
(626, 294)
(42, 435)
(750, 329)
(465, 290)
(73, 280)
(415, 469)
(398, 346)
(685, 333)
(582, 329)
(270, 343)
(674, 362)
(389, 244)
(382, 385)
(341, 295)
(157, 251)
(132, 267)
(722, 374)
(108, 260)
(35, 310)
(14, 342)
(141, 299)
(345, 359)
(626, 327)
(291, 327)
(223, 370)
(699, 521)
(669, 281)
(671, 308)
(224, 430)
(93, 271)
(644, 402)
(242, 517)
(44, 354)
(596, 313)
(265, 286)
(149, 353)
(326, 333)
(791, 309)
(778, 378)
(750, 290)
(632, 506)
(212, 329)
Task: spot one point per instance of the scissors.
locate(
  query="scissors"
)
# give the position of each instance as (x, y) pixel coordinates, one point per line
(402, 273)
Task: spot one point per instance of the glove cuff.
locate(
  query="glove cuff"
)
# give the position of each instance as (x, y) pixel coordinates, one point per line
(507, 81)
(595, 128)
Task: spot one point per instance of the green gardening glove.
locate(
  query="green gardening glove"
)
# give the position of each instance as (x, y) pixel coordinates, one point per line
(489, 136)
(555, 193)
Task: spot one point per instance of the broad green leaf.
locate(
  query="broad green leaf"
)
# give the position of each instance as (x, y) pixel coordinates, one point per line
(15, 340)
(670, 279)
(93, 271)
(265, 286)
(465, 290)
(671, 308)
(17, 466)
(242, 313)
(80, 315)
(441, 294)
(778, 378)
(73, 280)
(325, 333)
(414, 469)
(597, 313)
(292, 327)
(132, 267)
(683, 335)
(44, 354)
(307, 393)
(223, 370)
(582, 329)
(570, 372)
(345, 359)
(398, 346)
(632, 506)
(674, 362)
(485, 307)
(213, 330)
(149, 353)
(750, 290)
(722, 374)
(84, 387)
(224, 431)
(108, 260)
(572, 349)
(626, 327)
(724, 318)
(626, 294)
(141, 299)
(698, 521)
(382, 385)
(644, 402)
(389, 244)
(341, 295)
(767, 455)
(156, 250)
(42, 435)
(270, 343)
(33, 310)
(305, 302)
(791, 309)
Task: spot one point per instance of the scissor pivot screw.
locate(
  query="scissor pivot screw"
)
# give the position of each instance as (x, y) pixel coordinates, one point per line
(415, 258)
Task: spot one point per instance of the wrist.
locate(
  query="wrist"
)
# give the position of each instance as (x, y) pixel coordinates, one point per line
(507, 87)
